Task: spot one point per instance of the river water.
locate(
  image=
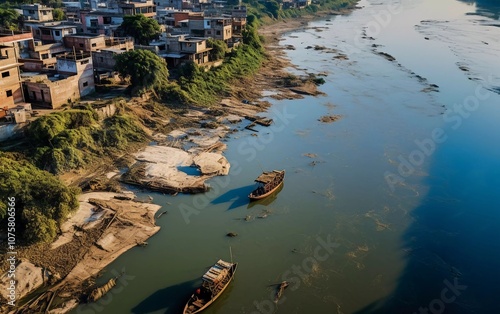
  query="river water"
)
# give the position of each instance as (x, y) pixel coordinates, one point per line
(394, 210)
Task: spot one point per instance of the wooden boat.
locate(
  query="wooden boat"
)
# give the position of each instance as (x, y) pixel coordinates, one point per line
(215, 281)
(269, 182)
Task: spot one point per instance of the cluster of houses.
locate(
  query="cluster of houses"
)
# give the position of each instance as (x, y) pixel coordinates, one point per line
(51, 63)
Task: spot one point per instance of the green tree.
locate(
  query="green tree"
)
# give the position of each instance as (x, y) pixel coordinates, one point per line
(219, 48)
(9, 19)
(143, 29)
(58, 14)
(42, 201)
(146, 70)
(272, 7)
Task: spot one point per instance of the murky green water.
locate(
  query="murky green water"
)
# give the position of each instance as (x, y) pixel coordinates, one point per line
(381, 216)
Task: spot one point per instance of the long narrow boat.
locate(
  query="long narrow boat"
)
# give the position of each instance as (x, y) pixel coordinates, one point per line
(269, 181)
(215, 281)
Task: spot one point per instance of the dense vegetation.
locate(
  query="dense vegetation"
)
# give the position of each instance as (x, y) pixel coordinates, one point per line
(42, 201)
(143, 29)
(9, 18)
(73, 138)
(146, 70)
(219, 49)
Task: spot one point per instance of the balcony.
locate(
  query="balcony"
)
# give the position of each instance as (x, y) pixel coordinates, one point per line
(8, 36)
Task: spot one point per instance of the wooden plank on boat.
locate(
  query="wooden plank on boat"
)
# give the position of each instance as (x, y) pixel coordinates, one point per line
(224, 264)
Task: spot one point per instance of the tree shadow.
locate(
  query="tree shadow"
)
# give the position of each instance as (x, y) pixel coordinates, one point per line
(172, 299)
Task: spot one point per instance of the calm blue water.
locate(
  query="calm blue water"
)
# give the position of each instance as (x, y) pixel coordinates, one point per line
(399, 210)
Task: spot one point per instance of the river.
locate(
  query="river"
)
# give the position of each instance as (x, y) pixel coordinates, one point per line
(395, 209)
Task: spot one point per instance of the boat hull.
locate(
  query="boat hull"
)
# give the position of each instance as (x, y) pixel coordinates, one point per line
(259, 197)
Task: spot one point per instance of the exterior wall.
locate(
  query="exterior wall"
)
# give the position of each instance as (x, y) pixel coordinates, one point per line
(32, 65)
(193, 46)
(53, 93)
(104, 24)
(147, 8)
(85, 43)
(37, 12)
(10, 87)
(10, 36)
(104, 60)
(180, 16)
(122, 43)
(66, 66)
(220, 28)
(176, 4)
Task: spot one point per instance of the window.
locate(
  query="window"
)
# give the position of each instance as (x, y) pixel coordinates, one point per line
(84, 62)
(94, 45)
(45, 32)
(218, 32)
(101, 59)
(45, 56)
(9, 93)
(31, 11)
(57, 33)
(85, 84)
(5, 74)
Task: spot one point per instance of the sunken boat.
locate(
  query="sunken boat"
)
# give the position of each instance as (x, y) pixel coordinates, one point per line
(268, 182)
(215, 281)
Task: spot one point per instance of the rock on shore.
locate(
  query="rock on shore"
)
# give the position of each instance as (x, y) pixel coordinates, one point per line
(167, 169)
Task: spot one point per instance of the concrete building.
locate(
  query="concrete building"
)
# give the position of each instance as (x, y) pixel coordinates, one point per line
(219, 28)
(182, 48)
(41, 57)
(37, 12)
(144, 7)
(54, 33)
(100, 22)
(97, 42)
(239, 20)
(74, 79)
(11, 94)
